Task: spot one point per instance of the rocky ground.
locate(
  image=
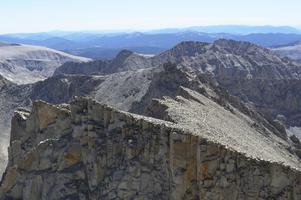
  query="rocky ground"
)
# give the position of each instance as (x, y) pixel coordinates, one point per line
(255, 74)
(126, 88)
(90, 151)
(215, 145)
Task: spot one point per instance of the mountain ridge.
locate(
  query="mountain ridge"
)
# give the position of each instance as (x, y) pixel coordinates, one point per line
(72, 152)
(173, 115)
(230, 62)
(26, 63)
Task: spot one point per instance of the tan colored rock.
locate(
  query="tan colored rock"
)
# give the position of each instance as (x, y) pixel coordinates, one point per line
(30, 161)
(71, 157)
(9, 180)
(125, 156)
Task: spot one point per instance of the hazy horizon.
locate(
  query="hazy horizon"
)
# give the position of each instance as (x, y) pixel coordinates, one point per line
(98, 15)
(144, 30)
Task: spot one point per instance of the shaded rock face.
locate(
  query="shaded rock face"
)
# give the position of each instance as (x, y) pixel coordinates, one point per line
(256, 75)
(271, 97)
(58, 89)
(121, 90)
(91, 151)
(11, 96)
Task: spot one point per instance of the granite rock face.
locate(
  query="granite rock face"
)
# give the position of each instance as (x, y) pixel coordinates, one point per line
(120, 90)
(87, 150)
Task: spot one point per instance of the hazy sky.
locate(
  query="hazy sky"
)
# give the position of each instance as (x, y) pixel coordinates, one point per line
(45, 15)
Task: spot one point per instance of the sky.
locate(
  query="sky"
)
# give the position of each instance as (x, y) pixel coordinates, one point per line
(79, 15)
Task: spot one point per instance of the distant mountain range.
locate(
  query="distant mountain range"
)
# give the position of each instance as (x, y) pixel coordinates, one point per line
(235, 29)
(106, 45)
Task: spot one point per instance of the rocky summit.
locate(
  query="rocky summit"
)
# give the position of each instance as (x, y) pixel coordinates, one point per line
(86, 150)
(199, 121)
(189, 140)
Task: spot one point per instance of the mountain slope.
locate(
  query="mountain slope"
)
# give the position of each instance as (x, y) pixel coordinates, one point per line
(232, 59)
(26, 64)
(260, 78)
(255, 74)
(205, 144)
(120, 90)
(130, 91)
(223, 56)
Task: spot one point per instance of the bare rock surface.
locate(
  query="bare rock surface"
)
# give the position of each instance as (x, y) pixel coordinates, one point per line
(231, 128)
(128, 91)
(255, 74)
(183, 135)
(120, 90)
(87, 150)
